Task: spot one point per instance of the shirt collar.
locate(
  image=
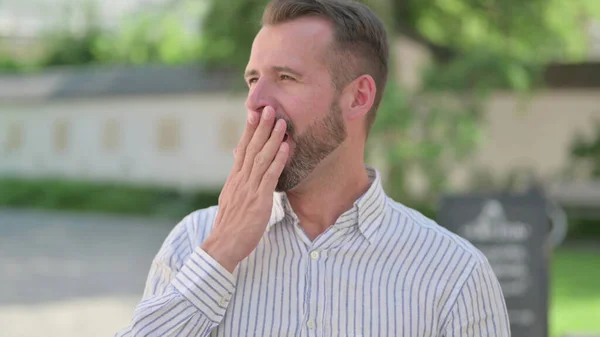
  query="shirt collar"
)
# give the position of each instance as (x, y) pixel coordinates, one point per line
(366, 212)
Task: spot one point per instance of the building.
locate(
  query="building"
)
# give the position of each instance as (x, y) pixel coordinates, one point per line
(167, 126)
(134, 123)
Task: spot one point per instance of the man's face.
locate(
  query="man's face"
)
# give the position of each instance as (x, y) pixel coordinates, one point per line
(288, 71)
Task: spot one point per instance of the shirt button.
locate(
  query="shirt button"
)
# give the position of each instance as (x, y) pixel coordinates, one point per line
(314, 255)
(223, 301)
(310, 324)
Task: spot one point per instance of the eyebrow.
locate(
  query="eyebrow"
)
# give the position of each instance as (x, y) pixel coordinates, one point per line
(279, 69)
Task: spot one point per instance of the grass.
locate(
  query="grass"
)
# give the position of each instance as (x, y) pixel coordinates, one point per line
(575, 301)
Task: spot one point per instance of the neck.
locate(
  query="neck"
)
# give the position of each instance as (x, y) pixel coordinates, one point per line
(329, 191)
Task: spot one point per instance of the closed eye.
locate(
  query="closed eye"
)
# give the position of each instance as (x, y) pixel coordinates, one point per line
(286, 77)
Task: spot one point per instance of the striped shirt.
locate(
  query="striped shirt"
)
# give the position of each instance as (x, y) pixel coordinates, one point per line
(382, 269)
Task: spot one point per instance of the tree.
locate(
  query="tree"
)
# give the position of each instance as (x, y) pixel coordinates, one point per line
(152, 35)
(585, 152)
(479, 46)
(157, 35)
(228, 31)
(65, 47)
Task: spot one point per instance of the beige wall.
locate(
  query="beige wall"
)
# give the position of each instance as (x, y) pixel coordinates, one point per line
(535, 133)
(175, 140)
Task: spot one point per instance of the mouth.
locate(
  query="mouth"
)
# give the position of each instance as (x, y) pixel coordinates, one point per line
(287, 136)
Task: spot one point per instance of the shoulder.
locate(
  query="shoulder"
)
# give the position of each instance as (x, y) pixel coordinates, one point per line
(433, 235)
(452, 258)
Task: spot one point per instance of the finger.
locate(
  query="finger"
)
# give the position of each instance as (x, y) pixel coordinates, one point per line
(240, 150)
(271, 176)
(265, 157)
(259, 138)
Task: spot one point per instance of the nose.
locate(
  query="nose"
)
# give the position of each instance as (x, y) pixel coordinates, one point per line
(259, 97)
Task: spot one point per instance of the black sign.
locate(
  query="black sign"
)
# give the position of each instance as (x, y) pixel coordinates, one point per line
(511, 230)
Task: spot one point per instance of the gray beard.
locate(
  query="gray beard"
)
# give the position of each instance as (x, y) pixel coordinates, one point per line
(312, 146)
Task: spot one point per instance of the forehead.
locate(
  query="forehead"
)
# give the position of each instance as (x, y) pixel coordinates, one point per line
(297, 43)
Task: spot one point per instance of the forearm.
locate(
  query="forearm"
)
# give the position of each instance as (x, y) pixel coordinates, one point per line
(194, 303)
(168, 315)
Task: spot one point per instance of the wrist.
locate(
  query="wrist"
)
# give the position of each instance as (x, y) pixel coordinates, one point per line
(219, 250)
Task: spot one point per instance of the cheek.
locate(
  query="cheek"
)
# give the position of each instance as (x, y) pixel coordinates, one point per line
(306, 109)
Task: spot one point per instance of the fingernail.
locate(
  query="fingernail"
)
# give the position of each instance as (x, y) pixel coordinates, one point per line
(279, 125)
(266, 113)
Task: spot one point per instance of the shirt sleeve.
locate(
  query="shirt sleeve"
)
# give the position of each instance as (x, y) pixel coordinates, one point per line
(186, 294)
(480, 308)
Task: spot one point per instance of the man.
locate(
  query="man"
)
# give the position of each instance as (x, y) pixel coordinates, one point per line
(304, 241)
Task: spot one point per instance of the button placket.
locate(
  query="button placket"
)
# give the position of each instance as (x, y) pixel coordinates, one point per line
(314, 255)
(313, 307)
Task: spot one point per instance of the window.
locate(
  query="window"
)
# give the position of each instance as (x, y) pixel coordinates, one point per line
(61, 136)
(14, 137)
(168, 135)
(111, 135)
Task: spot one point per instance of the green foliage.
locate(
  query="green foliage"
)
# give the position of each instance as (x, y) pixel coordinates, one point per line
(584, 229)
(533, 31)
(585, 150)
(589, 148)
(536, 30)
(494, 44)
(228, 31)
(69, 195)
(423, 134)
(438, 127)
(153, 37)
(482, 72)
(66, 49)
(11, 65)
(230, 27)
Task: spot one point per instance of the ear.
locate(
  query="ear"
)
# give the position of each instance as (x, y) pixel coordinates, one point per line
(360, 96)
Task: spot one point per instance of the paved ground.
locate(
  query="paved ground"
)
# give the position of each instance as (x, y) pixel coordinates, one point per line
(72, 275)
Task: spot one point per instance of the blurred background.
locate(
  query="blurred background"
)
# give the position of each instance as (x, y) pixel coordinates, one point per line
(117, 118)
